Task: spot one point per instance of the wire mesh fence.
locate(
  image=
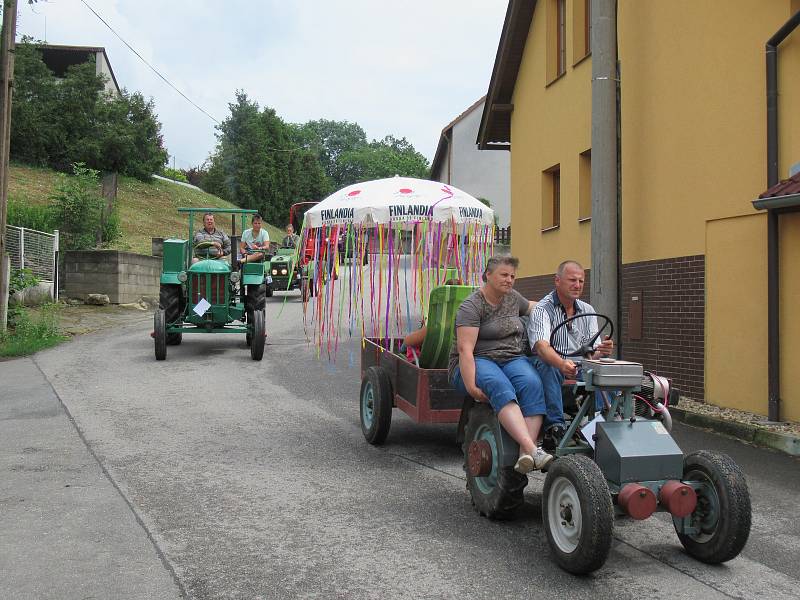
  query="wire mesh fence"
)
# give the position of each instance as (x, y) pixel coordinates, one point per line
(33, 250)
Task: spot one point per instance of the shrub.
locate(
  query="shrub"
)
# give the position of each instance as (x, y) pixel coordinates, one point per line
(41, 218)
(21, 279)
(27, 334)
(78, 208)
(175, 174)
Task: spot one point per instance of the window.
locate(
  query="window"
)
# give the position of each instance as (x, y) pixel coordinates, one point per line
(585, 186)
(561, 37)
(581, 30)
(551, 198)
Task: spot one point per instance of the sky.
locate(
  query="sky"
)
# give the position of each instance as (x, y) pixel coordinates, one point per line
(401, 68)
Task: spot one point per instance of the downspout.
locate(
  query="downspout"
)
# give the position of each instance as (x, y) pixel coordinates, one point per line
(773, 273)
(605, 216)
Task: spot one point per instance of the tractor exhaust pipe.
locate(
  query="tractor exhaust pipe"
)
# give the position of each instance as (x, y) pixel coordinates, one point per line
(637, 501)
(678, 498)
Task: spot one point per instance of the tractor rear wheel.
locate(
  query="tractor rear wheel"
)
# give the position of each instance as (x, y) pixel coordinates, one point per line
(259, 336)
(376, 402)
(499, 493)
(268, 290)
(171, 299)
(577, 514)
(160, 334)
(721, 521)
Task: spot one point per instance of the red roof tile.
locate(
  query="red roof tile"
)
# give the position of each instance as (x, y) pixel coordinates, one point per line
(787, 187)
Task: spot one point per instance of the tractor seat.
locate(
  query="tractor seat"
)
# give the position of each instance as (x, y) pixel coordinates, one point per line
(442, 308)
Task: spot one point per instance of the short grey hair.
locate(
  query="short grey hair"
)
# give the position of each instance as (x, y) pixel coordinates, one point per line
(565, 264)
(496, 261)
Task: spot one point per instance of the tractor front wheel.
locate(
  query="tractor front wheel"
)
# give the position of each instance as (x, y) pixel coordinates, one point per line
(499, 492)
(376, 401)
(160, 334)
(171, 299)
(577, 514)
(259, 336)
(720, 524)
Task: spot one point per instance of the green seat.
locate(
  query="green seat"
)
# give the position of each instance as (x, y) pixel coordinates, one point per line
(442, 308)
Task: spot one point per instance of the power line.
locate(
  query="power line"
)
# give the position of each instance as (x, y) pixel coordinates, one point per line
(167, 81)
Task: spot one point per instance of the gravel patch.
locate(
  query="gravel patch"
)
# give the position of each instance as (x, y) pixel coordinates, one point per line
(739, 416)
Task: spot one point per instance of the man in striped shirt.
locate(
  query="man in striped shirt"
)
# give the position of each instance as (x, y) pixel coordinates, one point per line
(555, 308)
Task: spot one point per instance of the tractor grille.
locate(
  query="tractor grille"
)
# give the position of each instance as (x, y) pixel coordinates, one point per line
(200, 288)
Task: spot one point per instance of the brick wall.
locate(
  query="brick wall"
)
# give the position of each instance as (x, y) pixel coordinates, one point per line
(673, 316)
(673, 319)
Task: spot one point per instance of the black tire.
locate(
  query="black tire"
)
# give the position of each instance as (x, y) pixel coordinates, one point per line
(306, 289)
(577, 514)
(375, 405)
(160, 334)
(172, 300)
(723, 513)
(500, 494)
(255, 299)
(268, 290)
(258, 340)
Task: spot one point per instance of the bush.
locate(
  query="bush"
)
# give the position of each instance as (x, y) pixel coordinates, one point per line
(41, 218)
(175, 174)
(79, 209)
(27, 334)
(21, 279)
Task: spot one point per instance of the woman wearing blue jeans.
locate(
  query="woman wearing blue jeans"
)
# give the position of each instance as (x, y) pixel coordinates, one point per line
(488, 359)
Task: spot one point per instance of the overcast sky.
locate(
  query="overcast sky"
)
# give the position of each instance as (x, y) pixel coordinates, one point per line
(402, 68)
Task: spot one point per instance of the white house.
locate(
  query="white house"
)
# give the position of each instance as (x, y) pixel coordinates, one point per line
(59, 58)
(483, 174)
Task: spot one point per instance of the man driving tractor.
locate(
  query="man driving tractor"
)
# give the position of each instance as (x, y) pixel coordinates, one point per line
(214, 241)
(550, 312)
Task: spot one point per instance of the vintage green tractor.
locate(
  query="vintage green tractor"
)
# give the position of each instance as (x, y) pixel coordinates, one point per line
(203, 294)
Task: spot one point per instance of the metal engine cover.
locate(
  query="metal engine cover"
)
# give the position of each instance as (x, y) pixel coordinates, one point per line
(638, 451)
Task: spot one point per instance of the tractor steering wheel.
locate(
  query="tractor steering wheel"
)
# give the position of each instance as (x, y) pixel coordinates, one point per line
(203, 250)
(588, 347)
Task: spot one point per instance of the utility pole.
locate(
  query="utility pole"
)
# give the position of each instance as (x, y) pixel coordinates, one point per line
(605, 242)
(6, 81)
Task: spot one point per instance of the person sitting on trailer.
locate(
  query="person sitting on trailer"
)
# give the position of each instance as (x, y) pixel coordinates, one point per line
(215, 242)
(488, 362)
(255, 242)
(552, 310)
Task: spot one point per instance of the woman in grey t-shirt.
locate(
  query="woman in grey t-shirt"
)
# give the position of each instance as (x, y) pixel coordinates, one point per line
(488, 360)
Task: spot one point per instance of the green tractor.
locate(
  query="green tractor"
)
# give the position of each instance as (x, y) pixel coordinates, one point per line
(210, 295)
(289, 267)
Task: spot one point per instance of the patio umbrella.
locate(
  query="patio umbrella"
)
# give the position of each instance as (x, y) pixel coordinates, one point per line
(395, 238)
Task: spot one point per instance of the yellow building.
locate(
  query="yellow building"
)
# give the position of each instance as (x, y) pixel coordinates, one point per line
(693, 156)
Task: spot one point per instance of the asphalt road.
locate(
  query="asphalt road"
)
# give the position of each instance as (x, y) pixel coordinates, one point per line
(209, 475)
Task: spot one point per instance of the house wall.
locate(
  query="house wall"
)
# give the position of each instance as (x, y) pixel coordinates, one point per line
(104, 69)
(482, 173)
(693, 153)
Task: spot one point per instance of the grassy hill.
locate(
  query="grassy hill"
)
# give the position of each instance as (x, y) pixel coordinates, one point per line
(146, 210)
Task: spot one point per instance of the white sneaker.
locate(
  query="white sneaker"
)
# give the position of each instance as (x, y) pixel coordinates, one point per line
(541, 459)
(525, 464)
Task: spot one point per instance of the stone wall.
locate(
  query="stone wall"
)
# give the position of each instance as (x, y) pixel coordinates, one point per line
(123, 276)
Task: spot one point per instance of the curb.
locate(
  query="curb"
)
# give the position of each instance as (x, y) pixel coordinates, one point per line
(788, 444)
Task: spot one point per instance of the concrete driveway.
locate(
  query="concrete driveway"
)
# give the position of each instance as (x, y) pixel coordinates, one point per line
(209, 475)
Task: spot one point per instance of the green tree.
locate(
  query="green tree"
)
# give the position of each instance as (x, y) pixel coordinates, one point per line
(329, 140)
(385, 158)
(59, 122)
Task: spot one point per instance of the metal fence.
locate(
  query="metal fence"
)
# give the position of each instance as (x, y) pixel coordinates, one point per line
(33, 250)
(502, 235)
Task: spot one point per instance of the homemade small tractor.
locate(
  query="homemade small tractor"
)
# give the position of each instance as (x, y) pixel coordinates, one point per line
(210, 295)
(618, 461)
(290, 266)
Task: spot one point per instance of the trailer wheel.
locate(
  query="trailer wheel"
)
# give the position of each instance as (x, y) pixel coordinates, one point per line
(498, 494)
(171, 299)
(722, 518)
(160, 334)
(258, 340)
(376, 402)
(577, 514)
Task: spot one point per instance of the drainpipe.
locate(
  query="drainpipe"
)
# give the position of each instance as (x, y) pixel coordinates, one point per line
(773, 274)
(605, 216)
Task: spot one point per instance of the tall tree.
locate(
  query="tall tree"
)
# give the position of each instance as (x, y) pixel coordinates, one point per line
(328, 140)
(385, 158)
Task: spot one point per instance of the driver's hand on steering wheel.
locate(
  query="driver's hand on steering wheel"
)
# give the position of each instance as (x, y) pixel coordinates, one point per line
(568, 369)
(605, 348)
